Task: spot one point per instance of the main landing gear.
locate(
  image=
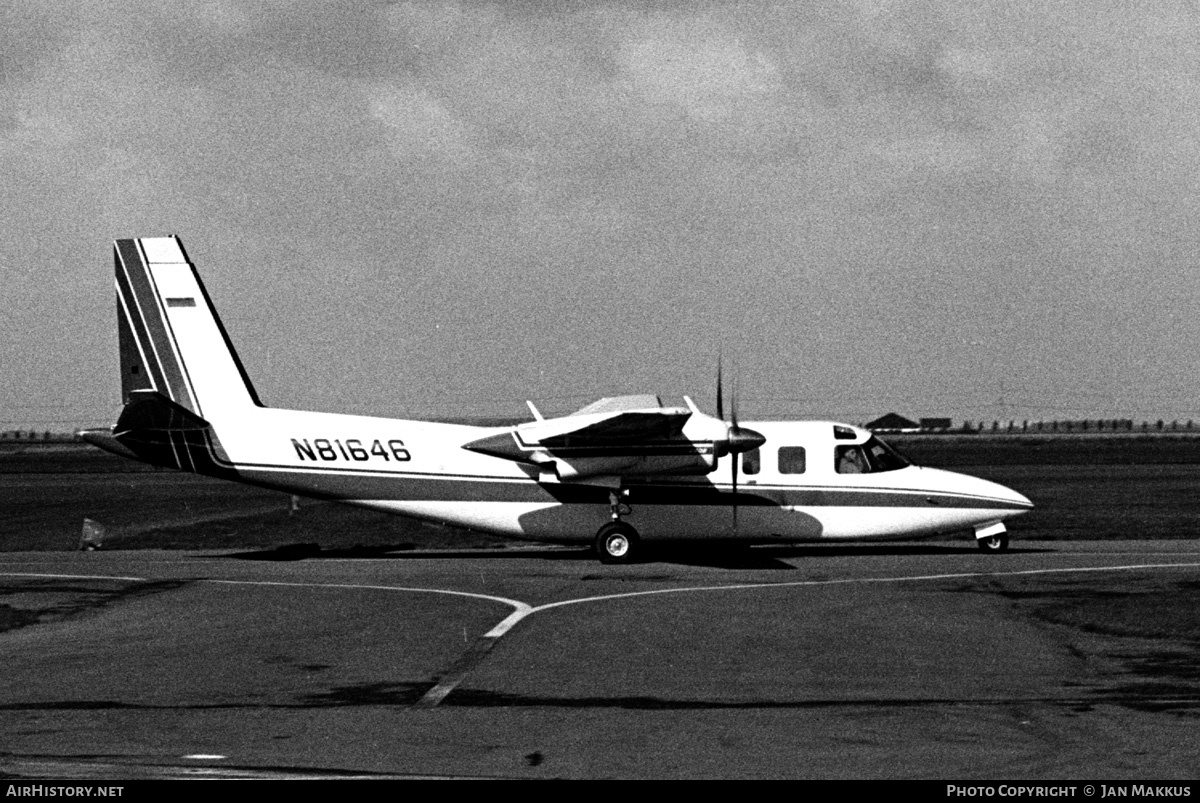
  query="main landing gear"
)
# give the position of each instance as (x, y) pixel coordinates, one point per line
(616, 541)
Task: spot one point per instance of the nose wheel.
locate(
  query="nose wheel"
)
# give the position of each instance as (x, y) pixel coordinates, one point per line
(994, 543)
(992, 537)
(617, 542)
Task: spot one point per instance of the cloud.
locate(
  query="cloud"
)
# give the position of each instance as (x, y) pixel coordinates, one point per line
(710, 77)
(682, 174)
(421, 127)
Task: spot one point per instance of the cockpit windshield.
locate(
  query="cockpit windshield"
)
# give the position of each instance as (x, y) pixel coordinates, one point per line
(871, 457)
(883, 457)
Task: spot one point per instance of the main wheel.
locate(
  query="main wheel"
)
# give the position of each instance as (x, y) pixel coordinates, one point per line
(617, 542)
(994, 543)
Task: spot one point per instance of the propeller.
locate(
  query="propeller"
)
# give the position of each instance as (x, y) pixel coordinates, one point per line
(738, 439)
(720, 392)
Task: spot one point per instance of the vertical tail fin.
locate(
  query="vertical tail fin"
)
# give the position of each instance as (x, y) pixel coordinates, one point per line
(171, 340)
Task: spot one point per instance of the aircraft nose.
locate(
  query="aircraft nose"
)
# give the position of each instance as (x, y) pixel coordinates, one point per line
(992, 494)
(1019, 498)
(1001, 493)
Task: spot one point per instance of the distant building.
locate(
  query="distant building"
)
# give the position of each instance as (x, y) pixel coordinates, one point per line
(935, 423)
(893, 422)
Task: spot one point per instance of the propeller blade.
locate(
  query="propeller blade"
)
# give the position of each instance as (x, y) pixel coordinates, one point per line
(734, 458)
(738, 439)
(720, 392)
(733, 402)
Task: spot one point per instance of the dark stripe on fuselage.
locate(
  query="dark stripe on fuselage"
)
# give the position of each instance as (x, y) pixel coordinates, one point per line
(156, 328)
(381, 486)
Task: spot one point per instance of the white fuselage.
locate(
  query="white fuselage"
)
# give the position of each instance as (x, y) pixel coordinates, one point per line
(419, 469)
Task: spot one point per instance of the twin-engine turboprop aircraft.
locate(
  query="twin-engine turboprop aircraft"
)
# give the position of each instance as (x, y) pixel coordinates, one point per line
(617, 473)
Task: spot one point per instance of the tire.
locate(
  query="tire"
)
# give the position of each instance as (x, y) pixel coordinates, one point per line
(994, 543)
(617, 542)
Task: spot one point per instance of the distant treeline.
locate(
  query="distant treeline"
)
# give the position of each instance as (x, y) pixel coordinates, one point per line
(33, 436)
(968, 427)
(1080, 425)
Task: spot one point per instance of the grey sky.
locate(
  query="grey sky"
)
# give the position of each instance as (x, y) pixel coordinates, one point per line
(445, 208)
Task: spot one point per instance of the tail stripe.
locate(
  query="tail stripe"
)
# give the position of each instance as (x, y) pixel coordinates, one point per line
(137, 327)
(140, 299)
(180, 445)
(139, 371)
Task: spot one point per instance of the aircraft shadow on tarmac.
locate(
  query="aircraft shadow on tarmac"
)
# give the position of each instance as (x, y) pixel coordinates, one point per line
(769, 557)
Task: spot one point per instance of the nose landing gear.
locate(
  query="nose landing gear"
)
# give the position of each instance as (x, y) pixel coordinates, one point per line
(992, 537)
(994, 543)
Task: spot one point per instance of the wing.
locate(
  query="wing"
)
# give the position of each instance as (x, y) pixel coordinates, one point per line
(623, 436)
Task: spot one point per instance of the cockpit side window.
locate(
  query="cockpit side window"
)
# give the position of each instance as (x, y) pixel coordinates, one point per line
(792, 460)
(849, 460)
(751, 461)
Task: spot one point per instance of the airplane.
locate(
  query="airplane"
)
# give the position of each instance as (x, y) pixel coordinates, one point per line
(619, 473)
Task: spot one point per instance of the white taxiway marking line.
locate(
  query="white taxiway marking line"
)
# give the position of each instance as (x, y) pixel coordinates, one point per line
(460, 668)
(439, 692)
(77, 577)
(483, 645)
(517, 604)
(516, 616)
(450, 679)
(504, 600)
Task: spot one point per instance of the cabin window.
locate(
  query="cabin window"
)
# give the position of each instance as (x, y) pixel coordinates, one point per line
(792, 460)
(751, 461)
(841, 433)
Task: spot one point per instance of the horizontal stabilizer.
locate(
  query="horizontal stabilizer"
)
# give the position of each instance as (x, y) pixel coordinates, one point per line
(158, 431)
(104, 439)
(149, 410)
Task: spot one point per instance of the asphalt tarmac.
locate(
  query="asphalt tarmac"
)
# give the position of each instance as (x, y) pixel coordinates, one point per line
(1064, 660)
